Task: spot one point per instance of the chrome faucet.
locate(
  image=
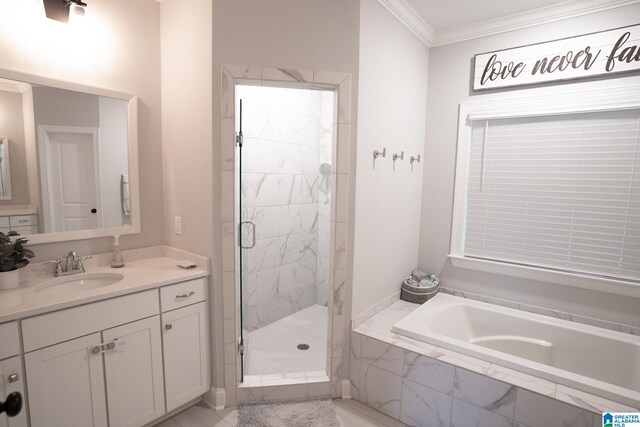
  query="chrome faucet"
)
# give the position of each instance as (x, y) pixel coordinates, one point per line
(73, 264)
(72, 257)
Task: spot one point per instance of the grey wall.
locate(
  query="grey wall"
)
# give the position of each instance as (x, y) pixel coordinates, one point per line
(60, 107)
(392, 114)
(117, 47)
(449, 83)
(113, 158)
(12, 127)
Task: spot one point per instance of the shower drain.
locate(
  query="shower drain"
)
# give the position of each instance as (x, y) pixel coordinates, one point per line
(303, 346)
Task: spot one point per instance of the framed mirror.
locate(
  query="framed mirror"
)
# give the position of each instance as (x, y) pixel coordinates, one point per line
(74, 160)
(5, 171)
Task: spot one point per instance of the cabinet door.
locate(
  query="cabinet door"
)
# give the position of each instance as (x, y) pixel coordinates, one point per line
(11, 379)
(66, 385)
(133, 371)
(185, 354)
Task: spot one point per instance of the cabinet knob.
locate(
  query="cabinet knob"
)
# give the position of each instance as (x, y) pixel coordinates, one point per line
(168, 326)
(13, 405)
(13, 378)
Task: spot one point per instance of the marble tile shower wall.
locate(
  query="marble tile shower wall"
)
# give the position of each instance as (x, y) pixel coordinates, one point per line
(323, 267)
(284, 144)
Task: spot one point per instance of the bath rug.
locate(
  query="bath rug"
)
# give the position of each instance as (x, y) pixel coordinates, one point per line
(301, 413)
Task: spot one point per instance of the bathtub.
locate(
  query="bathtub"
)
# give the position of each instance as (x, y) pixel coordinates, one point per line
(601, 362)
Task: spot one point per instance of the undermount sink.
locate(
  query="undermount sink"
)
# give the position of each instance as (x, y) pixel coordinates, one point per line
(79, 282)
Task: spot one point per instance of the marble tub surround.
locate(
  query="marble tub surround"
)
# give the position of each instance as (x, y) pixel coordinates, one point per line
(618, 327)
(375, 309)
(424, 385)
(139, 275)
(340, 83)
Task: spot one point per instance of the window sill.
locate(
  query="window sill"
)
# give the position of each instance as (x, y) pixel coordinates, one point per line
(609, 286)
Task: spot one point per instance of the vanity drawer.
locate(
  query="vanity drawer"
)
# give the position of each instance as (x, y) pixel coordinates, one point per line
(22, 220)
(181, 294)
(4, 222)
(28, 229)
(9, 340)
(52, 328)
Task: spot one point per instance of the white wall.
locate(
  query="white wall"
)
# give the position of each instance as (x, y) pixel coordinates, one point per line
(449, 84)
(12, 128)
(115, 46)
(392, 113)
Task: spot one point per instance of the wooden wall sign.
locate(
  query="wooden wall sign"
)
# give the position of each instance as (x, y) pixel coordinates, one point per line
(606, 52)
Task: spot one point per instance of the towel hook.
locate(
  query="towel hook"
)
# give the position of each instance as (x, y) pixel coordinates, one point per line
(377, 153)
(413, 159)
(397, 156)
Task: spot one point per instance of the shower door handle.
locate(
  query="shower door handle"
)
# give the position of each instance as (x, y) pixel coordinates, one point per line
(253, 234)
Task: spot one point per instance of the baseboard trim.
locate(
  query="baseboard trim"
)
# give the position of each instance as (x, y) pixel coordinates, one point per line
(216, 398)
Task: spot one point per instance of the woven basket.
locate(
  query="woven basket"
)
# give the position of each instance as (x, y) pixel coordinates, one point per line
(416, 294)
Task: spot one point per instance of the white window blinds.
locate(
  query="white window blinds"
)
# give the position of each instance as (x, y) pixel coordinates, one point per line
(561, 192)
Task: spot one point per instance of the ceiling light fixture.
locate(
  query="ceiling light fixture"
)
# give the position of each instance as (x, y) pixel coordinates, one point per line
(59, 9)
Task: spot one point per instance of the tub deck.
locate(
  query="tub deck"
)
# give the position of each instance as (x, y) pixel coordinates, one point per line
(594, 360)
(379, 327)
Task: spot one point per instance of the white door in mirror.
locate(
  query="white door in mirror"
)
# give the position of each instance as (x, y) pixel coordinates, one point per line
(71, 189)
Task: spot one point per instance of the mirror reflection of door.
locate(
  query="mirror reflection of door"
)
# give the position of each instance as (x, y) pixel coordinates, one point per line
(70, 178)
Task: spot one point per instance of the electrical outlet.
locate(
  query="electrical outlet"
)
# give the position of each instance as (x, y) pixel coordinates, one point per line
(179, 225)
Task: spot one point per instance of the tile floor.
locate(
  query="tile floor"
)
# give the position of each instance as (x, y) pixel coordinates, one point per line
(350, 413)
(272, 349)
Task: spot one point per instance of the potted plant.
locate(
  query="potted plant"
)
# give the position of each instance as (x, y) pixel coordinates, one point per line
(13, 255)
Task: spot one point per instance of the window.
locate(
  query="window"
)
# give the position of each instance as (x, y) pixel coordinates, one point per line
(550, 191)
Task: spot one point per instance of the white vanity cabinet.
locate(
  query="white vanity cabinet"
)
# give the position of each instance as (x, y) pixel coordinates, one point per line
(80, 358)
(185, 344)
(66, 384)
(133, 372)
(23, 224)
(11, 375)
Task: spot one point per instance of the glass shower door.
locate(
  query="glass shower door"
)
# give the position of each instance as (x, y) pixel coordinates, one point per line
(246, 241)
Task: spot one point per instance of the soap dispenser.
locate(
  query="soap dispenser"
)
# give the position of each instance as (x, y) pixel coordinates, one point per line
(116, 260)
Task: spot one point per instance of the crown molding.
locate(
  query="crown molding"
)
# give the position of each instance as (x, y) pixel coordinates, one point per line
(543, 15)
(411, 19)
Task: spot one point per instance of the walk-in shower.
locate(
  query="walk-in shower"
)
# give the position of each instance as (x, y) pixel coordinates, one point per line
(283, 212)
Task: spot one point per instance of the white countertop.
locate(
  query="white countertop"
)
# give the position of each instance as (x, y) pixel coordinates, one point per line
(140, 275)
(9, 211)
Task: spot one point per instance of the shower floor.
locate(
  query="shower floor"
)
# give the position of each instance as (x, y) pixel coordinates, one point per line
(272, 349)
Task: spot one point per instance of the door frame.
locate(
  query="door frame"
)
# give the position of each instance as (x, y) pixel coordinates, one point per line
(342, 243)
(46, 177)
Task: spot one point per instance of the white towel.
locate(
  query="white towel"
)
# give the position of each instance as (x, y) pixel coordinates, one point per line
(126, 199)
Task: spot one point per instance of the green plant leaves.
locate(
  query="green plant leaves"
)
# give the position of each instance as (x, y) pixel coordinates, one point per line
(13, 254)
